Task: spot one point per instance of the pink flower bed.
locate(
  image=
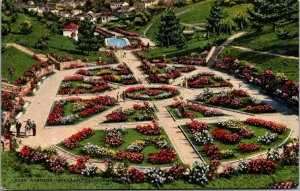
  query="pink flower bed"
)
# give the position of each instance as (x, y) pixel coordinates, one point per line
(270, 125)
(116, 117)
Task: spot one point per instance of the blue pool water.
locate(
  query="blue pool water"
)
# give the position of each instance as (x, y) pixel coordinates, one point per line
(118, 42)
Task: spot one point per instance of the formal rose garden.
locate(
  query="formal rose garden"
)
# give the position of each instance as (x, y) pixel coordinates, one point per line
(151, 93)
(207, 79)
(235, 99)
(233, 139)
(119, 74)
(138, 112)
(74, 109)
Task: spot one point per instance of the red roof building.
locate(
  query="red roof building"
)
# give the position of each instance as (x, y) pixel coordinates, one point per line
(71, 26)
(71, 30)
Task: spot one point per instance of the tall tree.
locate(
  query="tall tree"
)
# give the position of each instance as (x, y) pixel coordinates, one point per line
(217, 13)
(169, 31)
(266, 12)
(87, 41)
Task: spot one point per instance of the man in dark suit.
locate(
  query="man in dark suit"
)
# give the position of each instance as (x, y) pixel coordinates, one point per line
(18, 128)
(33, 128)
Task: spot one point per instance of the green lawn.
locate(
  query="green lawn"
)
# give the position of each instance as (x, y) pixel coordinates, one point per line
(259, 131)
(278, 64)
(267, 40)
(58, 44)
(131, 136)
(20, 176)
(20, 61)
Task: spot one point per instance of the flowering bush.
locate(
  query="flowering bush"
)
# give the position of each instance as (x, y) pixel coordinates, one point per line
(56, 164)
(156, 176)
(135, 176)
(248, 147)
(105, 100)
(261, 166)
(203, 138)
(79, 166)
(196, 126)
(74, 140)
(270, 125)
(207, 94)
(212, 151)
(226, 137)
(96, 151)
(31, 155)
(198, 174)
(282, 185)
(133, 157)
(268, 138)
(89, 171)
(175, 172)
(163, 157)
(290, 155)
(84, 72)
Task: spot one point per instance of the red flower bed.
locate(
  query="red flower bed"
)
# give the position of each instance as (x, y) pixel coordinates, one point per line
(105, 100)
(149, 129)
(133, 157)
(260, 108)
(261, 166)
(222, 135)
(199, 83)
(190, 61)
(240, 93)
(92, 110)
(74, 140)
(187, 68)
(160, 65)
(133, 89)
(135, 175)
(270, 125)
(196, 126)
(163, 157)
(248, 147)
(84, 72)
(55, 115)
(100, 88)
(227, 102)
(152, 92)
(116, 117)
(7, 105)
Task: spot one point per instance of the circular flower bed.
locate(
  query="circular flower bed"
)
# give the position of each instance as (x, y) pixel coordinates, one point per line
(151, 93)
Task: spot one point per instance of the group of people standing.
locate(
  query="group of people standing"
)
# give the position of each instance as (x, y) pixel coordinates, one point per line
(29, 126)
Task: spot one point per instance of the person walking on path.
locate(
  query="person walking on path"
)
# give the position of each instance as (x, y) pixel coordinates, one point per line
(7, 126)
(18, 127)
(118, 96)
(33, 128)
(124, 55)
(123, 95)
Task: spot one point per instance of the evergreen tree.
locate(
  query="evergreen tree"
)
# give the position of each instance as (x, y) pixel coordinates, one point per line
(169, 32)
(87, 41)
(266, 12)
(217, 13)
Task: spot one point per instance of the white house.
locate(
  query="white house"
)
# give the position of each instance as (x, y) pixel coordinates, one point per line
(71, 30)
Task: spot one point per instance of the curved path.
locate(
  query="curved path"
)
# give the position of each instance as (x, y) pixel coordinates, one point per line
(42, 102)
